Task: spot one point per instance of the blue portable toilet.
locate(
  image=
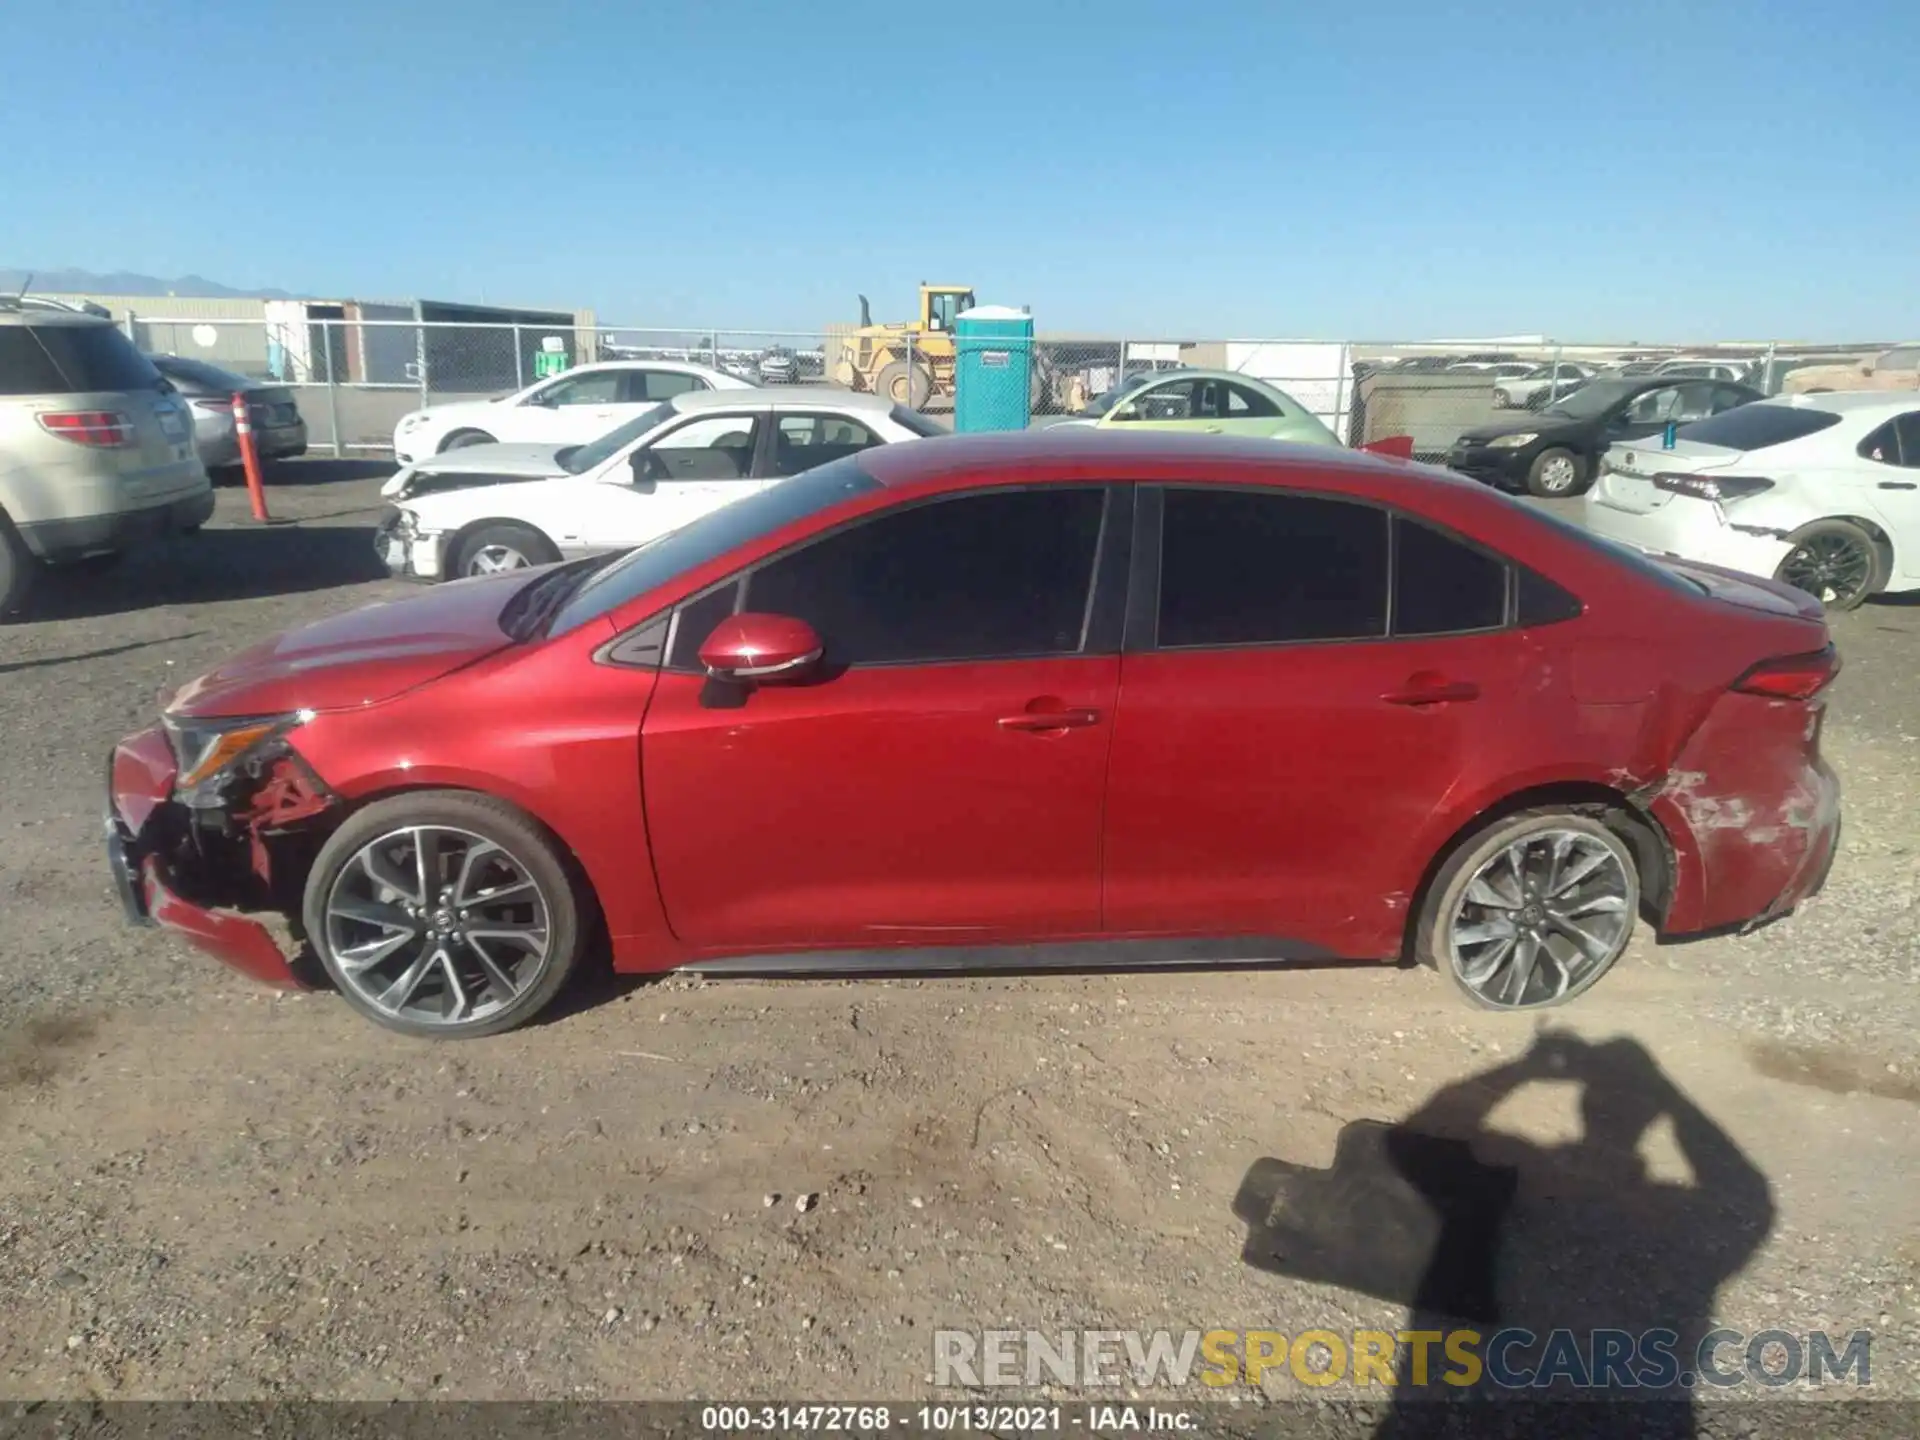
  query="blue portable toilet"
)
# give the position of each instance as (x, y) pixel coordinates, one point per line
(993, 369)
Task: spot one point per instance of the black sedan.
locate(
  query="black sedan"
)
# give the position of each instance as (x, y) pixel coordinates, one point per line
(1556, 451)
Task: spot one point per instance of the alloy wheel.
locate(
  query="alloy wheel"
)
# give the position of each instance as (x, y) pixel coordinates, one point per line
(1558, 474)
(1834, 569)
(1540, 919)
(438, 926)
(493, 559)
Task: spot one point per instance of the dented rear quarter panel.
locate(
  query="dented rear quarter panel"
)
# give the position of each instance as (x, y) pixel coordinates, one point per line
(1751, 810)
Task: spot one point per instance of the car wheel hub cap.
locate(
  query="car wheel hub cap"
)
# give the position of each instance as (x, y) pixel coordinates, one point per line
(1540, 918)
(1828, 567)
(438, 926)
(1557, 474)
(492, 559)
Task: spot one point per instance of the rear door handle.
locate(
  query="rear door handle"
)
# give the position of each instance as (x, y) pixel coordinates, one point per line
(1049, 719)
(1435, 691)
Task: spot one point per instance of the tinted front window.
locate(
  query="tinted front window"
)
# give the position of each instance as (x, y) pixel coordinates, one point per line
(750, 518)
(1241, 567)
(1755, 427)
(979, 577)
(93, 357)
(1441, 586)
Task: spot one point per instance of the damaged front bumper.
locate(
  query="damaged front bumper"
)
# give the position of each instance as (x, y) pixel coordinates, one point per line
(194, 873)
(408, 552)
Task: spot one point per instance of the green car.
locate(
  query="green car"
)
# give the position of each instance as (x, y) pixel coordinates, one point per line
(1205, 402)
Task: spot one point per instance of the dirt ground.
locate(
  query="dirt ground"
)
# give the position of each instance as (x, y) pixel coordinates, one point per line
(210, 1191)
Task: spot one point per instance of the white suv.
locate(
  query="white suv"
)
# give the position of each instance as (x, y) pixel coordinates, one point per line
(96, 449)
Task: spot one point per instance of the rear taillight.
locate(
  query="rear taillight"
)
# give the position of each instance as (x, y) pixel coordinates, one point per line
(1791, 677)
(104, 428)
(1712, 487)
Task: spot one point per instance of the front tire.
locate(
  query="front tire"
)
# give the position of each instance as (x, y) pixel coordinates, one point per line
(445, 914)
(1530, 911)
(1835, 561)
(465, 440)
(904, 384)
(506, 546)
(1556, 473)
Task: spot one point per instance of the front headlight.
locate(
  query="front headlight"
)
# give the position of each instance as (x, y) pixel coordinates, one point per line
(208, 752)
(1511, 442)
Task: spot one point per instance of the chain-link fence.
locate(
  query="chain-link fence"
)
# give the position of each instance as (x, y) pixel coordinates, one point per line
(354, 379)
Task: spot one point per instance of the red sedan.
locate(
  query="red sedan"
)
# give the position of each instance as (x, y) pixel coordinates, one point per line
(1067, 698)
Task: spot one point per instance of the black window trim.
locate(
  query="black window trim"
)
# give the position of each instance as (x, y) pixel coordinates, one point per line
(1101, 622)
(1143, 607)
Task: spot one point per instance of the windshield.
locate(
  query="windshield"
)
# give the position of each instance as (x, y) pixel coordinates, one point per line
(1102, 403)
(582, 458)
(713, 535)
(1595, 398)
(916, 422)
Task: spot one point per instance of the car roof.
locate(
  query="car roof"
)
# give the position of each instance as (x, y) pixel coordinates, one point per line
(32, 315)
(1865, 404)
(1118, 456)
(783, 397)
(1196, 373)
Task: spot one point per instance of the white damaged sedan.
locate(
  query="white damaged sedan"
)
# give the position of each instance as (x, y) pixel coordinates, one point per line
(485, 508)
(1819, 491)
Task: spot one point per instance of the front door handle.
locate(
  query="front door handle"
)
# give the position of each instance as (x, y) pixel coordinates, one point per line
(1431, 689)
(1049, 719)
(1213, 429)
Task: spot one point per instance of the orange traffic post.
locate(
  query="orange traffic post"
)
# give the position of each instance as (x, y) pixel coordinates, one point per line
(249, 457)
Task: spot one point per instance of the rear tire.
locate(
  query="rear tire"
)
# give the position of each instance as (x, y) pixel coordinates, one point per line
(1835, 561)
(503, 546)
(503, 982)
(18, 569)
(1556, 473)
(1504, 925)
(465, 439)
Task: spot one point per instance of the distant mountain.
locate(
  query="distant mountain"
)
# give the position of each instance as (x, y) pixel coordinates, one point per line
(121, 282)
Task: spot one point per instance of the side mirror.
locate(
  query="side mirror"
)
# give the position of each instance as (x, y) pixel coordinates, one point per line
(1126, 411)
(760, 647)
(641, 465)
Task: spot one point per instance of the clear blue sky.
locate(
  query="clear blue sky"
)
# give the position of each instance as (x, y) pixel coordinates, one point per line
(1364, 168)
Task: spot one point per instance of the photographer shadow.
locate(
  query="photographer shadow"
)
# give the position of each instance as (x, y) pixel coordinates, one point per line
(1472, 1228)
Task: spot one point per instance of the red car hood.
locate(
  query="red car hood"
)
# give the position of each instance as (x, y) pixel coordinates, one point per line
(361, 657)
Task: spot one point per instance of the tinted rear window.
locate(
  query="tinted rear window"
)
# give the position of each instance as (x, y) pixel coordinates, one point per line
(69, 359)
(1623, 554)
(1755, 427)
(26, 368)
(199, 373)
